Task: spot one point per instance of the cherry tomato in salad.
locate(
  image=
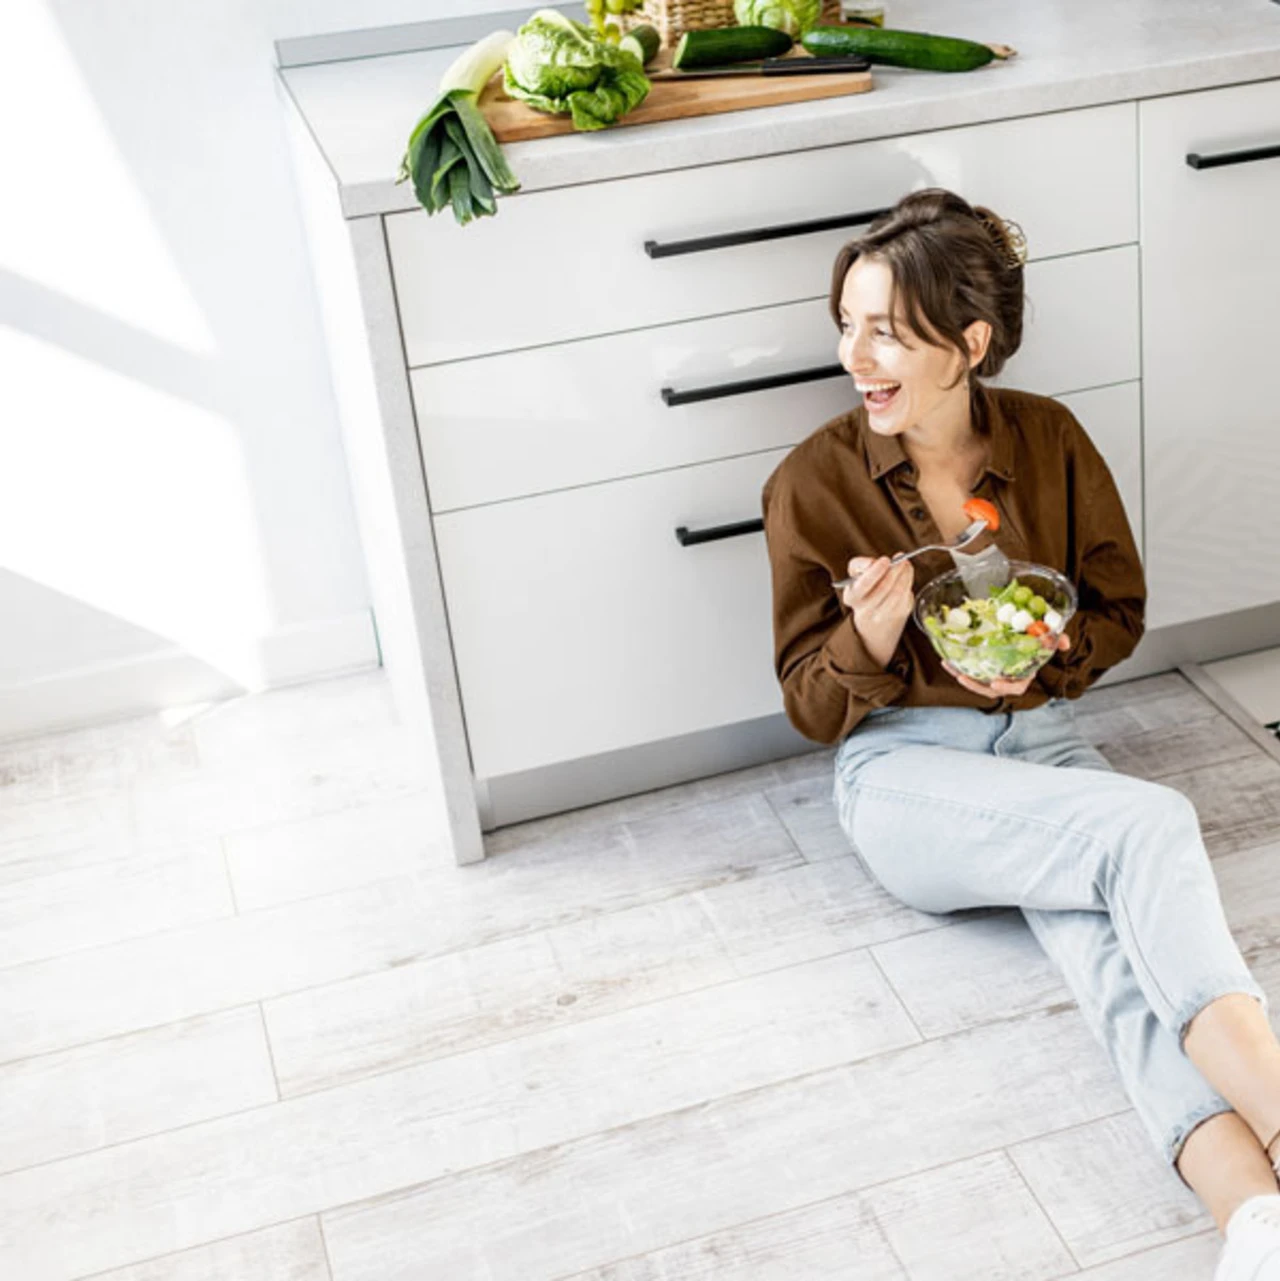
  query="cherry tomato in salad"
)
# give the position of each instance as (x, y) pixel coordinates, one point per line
(1038, 628)
(981, 509)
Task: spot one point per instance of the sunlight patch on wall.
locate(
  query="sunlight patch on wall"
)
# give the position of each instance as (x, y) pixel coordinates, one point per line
(134, 501)
(80, 226)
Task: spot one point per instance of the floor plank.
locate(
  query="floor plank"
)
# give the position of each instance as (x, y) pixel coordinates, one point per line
(86, 907)
(970, 1221)
(296, 859)
(40, 837)
(114, 1091)
(1192, 1259)
(839, 1237)
(289, 1252)
(1238, 803)
(972, 973)
(99, 759)
(1107, 1190)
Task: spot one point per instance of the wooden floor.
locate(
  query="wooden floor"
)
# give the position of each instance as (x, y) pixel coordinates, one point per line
(256, 1026)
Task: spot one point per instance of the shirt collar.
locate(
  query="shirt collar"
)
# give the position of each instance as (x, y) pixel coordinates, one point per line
(884, 453)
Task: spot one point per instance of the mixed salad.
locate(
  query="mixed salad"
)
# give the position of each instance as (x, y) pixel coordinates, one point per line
(1000, 638)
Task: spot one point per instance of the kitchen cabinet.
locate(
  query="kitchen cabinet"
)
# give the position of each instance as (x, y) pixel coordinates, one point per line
(559, 419)
(567, 467)
(1210, 176)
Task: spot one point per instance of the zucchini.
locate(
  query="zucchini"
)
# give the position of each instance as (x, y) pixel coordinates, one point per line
(643, 41)
(915, 49)
(714, 46)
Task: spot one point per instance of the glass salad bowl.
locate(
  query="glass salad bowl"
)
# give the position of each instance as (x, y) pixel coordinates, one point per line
(1008, 635)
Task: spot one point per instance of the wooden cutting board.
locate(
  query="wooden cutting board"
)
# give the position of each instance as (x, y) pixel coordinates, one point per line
(513, 121)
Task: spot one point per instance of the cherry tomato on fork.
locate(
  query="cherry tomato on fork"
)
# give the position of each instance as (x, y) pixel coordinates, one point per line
(981, 509)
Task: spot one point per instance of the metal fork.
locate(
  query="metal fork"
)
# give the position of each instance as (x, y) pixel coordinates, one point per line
(971, 532)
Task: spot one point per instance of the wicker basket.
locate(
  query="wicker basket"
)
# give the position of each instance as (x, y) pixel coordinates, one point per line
(672, 18)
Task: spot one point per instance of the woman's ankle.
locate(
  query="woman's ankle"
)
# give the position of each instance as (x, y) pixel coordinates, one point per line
(1223, 1163)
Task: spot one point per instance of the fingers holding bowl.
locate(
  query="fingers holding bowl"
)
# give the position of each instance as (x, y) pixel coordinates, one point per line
(996, 689)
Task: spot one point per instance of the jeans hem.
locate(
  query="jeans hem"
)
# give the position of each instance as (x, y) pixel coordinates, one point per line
(1181, 1132)
(1206, 995)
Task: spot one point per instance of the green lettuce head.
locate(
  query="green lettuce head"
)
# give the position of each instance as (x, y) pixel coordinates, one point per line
(795, 17)
(558, 65)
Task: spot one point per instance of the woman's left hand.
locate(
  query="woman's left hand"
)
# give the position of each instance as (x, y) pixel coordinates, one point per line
(1000, 688)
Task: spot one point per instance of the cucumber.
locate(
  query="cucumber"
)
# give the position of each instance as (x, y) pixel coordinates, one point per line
(915, 49)
(643, 41)
(713, 46)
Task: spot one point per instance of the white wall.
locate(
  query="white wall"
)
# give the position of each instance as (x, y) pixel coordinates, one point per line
(175, 519)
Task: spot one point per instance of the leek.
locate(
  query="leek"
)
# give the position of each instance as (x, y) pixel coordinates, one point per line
(452, 157)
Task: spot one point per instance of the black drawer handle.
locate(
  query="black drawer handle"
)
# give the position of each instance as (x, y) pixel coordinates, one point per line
(658, 249)
(1197, 161)
(687, 537)
(673, 397)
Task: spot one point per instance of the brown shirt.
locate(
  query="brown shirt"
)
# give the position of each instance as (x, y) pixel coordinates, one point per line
(845, 491)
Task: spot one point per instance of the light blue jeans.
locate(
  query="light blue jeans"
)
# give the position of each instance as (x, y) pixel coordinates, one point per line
(952, 808)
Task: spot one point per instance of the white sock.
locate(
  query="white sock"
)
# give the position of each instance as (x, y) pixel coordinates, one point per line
(1246, 1216)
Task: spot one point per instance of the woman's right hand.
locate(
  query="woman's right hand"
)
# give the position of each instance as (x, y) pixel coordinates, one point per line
(881, 601)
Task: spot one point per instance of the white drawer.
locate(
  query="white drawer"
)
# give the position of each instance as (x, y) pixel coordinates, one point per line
(499, 427)
(527, 422)
(580, 624)
(1081, 325)
(572, 262)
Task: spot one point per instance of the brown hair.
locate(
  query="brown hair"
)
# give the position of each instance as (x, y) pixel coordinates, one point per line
(952, 263)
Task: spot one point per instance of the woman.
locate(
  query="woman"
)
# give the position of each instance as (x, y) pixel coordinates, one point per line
(952, 791)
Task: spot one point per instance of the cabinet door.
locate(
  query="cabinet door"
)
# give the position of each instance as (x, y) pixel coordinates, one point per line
(1210, 183)
(1113, 418)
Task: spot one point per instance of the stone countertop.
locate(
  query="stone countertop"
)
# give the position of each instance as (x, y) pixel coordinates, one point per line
(1071, 53)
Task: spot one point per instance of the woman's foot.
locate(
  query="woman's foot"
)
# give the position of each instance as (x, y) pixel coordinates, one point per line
(1252, 1249)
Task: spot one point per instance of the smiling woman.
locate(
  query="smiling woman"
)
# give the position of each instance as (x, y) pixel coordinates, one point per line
(959, 795)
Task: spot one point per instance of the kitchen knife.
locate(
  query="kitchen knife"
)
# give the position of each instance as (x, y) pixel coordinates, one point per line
(771, 67)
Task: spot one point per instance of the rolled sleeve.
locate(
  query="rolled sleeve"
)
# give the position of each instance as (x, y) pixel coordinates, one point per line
(849, 664)
(828, 691)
